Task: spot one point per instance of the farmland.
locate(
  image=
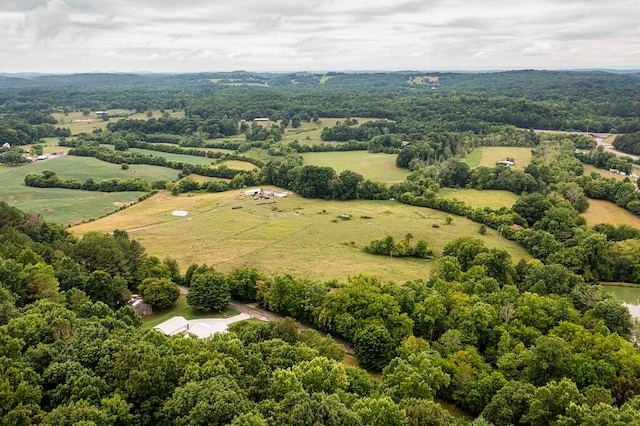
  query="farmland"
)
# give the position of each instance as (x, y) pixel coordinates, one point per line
(602, 211)
(292, 235)
(377, 167)
(488, 155)
(478, 199)
(66, 205)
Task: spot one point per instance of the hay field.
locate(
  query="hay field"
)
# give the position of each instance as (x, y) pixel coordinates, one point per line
(67, 205)
(290, 235)
(374, 166)
(486, 198)
(488, 155)
(309, 132)
(602, 211)
(236, 165)
(588, 169)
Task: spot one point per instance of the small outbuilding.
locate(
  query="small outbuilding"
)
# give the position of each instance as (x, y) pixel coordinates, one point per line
(180, 213)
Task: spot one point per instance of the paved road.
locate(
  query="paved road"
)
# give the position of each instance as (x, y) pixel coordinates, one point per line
(264, 315)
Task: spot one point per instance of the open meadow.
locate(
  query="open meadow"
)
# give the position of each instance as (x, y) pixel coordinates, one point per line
(478, 199)
(303, 237)
(65, 206)
(588, 169)
(374, 166)
(488, 155)
(309, 132)
(602, 211)
(78, 123)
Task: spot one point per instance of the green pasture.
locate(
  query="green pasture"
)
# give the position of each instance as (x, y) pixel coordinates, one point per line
(309, 132)
(303, 237)
(488, 155)
(236, 165)
(478, 199)
(80, 123)
(190, 159)
(602, 211)
(66, 205)
(376, 167)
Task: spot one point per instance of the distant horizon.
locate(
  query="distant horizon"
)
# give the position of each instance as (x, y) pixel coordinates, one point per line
(631, 69)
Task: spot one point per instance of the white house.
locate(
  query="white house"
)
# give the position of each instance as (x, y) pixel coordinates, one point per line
(253, 192)
(203, 330)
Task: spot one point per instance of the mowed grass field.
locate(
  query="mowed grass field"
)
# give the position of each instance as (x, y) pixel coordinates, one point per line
(486, 198)
(65, 206)
(293, 235)
(488, 155)
(376, 167)
(602, 211)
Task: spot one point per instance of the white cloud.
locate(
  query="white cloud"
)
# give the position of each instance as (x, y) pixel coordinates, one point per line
(201, 35)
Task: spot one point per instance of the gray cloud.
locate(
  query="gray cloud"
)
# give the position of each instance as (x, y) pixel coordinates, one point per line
(200, 35)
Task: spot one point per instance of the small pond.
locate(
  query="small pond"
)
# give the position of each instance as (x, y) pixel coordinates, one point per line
(629, 295)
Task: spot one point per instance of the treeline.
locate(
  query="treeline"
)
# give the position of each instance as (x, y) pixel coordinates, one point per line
(93, 149)
(527, 345)
(17, 131)
(629, 143)
(388, 246)
(49, 179)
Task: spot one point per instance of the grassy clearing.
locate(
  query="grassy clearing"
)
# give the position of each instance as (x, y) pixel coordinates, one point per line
(65, 206)
(588, 169)
(236, 165)
(78, 123)
(291, 235)
(488, 155)
(478, 199)
(601, 211)
(190, 159)
(309, 133)
(377, 167)
(181, 308)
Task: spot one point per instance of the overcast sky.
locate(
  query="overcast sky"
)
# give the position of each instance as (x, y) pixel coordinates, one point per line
(66, 36)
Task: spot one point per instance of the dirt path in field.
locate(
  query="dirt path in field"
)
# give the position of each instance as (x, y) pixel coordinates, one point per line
(264, 315)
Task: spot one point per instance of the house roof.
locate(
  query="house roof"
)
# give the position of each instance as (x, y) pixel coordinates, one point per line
(172, 326)
(202, 330)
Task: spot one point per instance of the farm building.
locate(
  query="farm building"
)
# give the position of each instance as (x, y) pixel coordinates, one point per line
(506, 163)
(180, 213)
(140, 305)
(280, 194)
(261, 119)
(173, 326)
(253, 192)
(203, 330)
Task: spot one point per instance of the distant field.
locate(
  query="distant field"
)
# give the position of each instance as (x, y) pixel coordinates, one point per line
(190, 159)
(488, 155)
(601, 211)
(588, 169)
(292, 235)
(376, 167)
(80, 123)
(66, 205)
(486, 198)
(309, 133)
(237, 165)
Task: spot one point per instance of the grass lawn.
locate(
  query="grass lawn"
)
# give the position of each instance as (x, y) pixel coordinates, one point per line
(486, 198)
(309, 133)
(488, 155)
(376, 167)
(602, 211)
(292, 235)
(181, 308)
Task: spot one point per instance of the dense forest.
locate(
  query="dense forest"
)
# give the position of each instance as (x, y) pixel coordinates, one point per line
(529, 343)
